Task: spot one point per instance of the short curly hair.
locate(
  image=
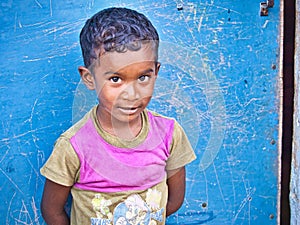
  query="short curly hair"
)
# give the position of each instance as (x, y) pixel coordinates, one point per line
(115, 29)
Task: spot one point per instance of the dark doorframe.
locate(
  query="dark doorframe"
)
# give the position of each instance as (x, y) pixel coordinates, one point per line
(288, 105)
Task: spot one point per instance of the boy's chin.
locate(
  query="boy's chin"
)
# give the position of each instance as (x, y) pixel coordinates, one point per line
(126, 119)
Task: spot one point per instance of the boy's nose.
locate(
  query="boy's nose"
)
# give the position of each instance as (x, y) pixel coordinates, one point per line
(130, 92)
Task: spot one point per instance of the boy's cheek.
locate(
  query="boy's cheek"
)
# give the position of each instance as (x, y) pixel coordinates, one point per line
(104, 86)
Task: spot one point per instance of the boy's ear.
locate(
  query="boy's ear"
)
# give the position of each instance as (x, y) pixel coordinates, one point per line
(157, 68)
(87, 77)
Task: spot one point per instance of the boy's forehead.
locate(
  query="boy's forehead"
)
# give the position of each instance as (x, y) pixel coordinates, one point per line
(116, 61)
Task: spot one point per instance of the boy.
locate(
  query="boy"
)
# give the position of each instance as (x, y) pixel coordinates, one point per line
(122, 163)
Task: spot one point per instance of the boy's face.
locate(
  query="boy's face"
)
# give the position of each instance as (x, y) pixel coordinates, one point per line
(124, 83)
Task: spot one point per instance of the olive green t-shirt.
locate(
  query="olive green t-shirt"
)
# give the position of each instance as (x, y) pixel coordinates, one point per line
(113, 181)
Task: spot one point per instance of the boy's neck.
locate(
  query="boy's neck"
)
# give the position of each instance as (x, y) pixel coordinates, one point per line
(122, 130)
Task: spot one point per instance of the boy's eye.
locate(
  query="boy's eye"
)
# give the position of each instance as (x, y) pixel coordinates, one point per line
(144, 78)
(115, 79)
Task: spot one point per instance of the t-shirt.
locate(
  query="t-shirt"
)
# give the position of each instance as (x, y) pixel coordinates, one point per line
(117, 181)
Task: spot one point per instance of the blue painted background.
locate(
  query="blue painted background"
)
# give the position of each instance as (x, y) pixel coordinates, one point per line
(219, 78)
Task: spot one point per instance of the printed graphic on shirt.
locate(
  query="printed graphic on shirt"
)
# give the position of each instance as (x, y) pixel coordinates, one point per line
(133, 211)
(101, 207)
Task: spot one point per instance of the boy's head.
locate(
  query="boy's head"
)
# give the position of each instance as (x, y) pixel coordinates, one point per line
(116, 30)
(120, 51)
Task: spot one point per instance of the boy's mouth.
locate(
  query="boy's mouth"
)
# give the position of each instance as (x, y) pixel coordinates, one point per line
(129, 110)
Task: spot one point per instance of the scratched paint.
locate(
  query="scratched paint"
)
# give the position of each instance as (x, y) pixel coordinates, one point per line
(219, 78)
(295, 174)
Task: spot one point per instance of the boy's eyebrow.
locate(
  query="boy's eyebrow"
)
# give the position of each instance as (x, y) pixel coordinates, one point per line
(150, 70)
(111, 72)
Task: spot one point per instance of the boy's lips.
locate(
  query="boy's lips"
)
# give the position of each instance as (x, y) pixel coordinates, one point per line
(129, 110)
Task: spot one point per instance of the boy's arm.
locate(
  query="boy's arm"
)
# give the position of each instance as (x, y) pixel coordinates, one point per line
(53, 202)
(176, 189)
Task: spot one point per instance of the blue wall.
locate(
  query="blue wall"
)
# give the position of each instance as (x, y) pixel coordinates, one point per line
(219, 78)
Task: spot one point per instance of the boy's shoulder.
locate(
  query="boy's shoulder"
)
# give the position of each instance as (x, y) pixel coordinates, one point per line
(70, 132)
(158, 115)
(162, 120)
